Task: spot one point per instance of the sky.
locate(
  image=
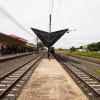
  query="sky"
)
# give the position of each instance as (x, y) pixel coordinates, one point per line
(82, 15)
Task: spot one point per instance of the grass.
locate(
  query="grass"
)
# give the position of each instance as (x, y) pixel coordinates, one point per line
(95, 70)
(87, 54)
(91, 55)
(94, 55)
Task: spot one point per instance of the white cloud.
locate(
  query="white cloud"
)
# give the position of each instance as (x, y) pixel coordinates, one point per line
(84, 15)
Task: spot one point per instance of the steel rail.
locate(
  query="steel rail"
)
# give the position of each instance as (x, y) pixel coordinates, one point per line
(23, 70)
(15, 57)
(85, 71)
(86, 59)
(15, 69)
(75, 75)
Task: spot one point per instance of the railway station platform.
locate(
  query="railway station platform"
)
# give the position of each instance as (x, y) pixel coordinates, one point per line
(51, 82)
(12, 56)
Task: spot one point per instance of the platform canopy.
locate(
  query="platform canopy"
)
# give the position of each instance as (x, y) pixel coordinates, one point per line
(49, 38)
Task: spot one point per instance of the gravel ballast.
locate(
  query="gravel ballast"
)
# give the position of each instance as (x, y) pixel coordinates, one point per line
(7, 66)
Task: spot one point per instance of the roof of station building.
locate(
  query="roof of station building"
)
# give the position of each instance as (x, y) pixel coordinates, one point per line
(11, 39)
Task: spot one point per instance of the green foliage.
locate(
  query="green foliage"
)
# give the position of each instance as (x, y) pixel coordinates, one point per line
(40, 45)
(87, 54)
(73, 49)
(81, 47)
(94, 46)
(95, 70)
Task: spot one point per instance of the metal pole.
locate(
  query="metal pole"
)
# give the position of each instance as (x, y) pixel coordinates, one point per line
(50, 23)
(49, 33)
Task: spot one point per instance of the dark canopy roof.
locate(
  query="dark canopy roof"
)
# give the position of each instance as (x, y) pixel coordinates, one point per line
(47, 38)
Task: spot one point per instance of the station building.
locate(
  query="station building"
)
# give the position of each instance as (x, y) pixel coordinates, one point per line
(10, 44)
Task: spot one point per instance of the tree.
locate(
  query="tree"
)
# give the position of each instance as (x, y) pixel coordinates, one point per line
(81, 47)
(94, 46)
(40, 46)
(73, 49)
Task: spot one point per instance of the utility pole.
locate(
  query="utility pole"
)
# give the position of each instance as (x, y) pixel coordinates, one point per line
(50, 19)
(50, 23)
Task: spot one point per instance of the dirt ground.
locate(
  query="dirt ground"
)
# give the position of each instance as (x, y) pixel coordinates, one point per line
(51, 82)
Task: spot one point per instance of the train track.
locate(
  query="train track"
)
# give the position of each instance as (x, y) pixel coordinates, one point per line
(86, 59)
(15, 79)
(4, 59)
(85, 80)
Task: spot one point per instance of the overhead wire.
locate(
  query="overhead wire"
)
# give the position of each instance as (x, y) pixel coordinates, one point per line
(58, 11)
(21, 26)
(51, 8)
(59, 8)
(52, 4)
(50, 14)
(12, 18)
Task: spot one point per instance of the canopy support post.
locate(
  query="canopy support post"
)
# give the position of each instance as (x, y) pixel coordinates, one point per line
(49, 33)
